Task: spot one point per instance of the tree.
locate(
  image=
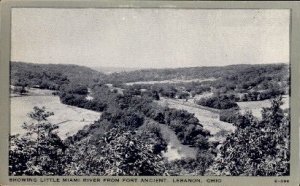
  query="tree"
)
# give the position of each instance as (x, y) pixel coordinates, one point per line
(119, 152)
(218, 102)
(257, 148)
(20, 90)
(150, 131)
(20, 86)
(183, 95)
(40, 150)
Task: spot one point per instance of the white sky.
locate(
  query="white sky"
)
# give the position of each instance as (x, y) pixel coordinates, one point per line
(150, 38)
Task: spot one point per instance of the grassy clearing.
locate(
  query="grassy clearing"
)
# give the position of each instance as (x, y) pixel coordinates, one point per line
(256, 106)
(32, 92)
(70, 118)
(171, 81)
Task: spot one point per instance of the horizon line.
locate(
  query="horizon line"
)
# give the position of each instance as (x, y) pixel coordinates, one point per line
(151, 68)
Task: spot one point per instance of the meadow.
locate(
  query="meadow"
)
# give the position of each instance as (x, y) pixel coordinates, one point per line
(256, 106)
(70, 119)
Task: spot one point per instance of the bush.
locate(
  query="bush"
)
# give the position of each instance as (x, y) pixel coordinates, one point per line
(20, 90)
(40, 151)
(183, 95)
(229, 115)
(118, 153)
(257, 148)
(218, 102)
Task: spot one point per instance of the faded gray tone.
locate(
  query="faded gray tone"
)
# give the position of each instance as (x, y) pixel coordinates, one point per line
(295, 56)
(150, 38)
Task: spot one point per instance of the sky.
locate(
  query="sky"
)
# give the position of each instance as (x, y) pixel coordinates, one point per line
(150, 38)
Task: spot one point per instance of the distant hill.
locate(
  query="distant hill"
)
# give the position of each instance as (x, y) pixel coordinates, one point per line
(88, 76)
(110, 70)
(75, 73)
(199, 72)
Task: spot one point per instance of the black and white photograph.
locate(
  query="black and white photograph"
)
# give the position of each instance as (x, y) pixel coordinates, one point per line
(149, 92)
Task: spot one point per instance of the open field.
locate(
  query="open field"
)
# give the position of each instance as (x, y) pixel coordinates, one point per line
(199, 96)
(171, 81)
(33, 92)
(256, 106)
(70, 118)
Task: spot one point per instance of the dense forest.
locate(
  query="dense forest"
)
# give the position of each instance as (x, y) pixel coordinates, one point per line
(127, 139)
(51, 76)
(230, 72)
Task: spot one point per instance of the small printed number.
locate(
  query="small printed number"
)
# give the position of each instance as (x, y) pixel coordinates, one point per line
(281, 181)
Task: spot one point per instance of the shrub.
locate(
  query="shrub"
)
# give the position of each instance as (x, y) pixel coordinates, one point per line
(257, 148)
(229, 115)
(40, 151)
(218, 102)
(117, 153)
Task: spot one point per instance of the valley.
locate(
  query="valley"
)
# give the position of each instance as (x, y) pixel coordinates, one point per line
(168, 120)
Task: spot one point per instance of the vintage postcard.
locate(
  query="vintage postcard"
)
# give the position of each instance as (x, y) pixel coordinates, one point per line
(144, 93)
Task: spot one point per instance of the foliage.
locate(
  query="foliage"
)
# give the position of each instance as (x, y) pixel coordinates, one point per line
(257, 148)
(39, 151)
(151, 131)
(183, 95)
(127, 139)
(236, 73)
(20, 90)
(185, 125)
(51, 76)
(218, 102)
(191, 167)
(118, 153)
(74, 94)
(122, 152)
(41, 79)
(229, 115)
